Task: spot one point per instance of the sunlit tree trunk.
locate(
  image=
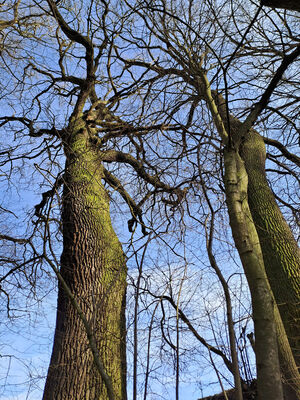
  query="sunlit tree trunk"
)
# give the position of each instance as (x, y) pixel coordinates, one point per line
(247, 244)
(280, 250)
(93, 267)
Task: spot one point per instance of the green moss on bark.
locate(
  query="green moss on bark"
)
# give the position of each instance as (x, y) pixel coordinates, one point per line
(280, 251)
(247, 244)
(93, 266)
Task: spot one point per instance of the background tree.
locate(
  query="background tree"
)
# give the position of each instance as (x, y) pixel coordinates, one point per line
(186, 62)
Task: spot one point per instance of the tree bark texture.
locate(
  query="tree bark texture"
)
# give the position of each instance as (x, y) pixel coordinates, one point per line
(248, 246)
(93, 267)
(247, 243)
(279, 248)
(280, 251)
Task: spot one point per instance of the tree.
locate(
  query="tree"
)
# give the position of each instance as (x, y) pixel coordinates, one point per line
(10, 22)
(92, 271)
(161, 116)
(187, 62)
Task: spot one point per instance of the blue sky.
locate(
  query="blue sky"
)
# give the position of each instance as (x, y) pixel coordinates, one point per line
(28, 337)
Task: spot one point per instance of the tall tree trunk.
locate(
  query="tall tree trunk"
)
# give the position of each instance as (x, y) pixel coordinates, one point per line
(93, 267)
(279, 248)
(247, 244)
(280, 251)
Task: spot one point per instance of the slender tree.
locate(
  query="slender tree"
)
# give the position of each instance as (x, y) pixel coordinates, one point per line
(247, 191)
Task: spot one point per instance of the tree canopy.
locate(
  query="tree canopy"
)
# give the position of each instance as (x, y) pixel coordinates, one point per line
(162, 135)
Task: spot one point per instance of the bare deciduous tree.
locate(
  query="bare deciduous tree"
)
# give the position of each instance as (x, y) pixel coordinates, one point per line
(153, 105)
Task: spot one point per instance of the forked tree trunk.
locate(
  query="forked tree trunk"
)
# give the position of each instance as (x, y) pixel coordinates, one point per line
(93, 267)
(247, 244)
(280, 251)
(281, 258)
(279, 248)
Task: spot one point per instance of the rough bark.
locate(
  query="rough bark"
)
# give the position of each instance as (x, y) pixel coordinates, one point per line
(280, 250)
(93, 267)
(281, 257)
(249, 393)
(247, 243)
(279, 247)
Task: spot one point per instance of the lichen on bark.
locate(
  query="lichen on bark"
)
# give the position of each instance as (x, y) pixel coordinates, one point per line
(280, 251)
(248, 246)
(93, 267)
